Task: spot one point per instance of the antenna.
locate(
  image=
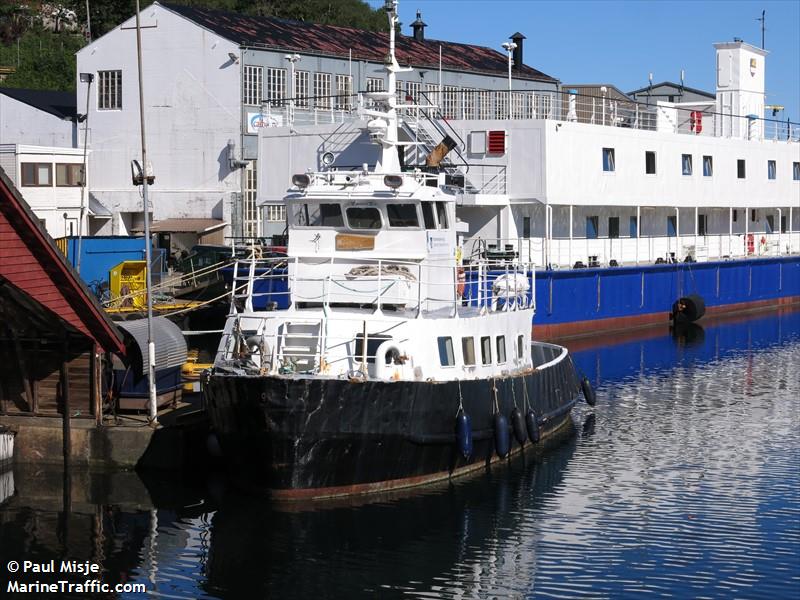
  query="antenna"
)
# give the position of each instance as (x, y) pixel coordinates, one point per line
(763, 19)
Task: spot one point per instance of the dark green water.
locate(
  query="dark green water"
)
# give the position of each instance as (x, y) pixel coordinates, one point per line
(683, 482)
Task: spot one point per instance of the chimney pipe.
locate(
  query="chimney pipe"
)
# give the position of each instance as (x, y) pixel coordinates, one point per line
(517, 54)
(419, 28)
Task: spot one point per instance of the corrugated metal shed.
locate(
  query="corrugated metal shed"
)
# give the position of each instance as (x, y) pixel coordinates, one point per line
(333, 40)
(170, 345)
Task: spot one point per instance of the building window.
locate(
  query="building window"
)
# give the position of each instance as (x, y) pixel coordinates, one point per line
(613, 227)
(545, 106)
(501, 349)
(276, 86)
(450, 102)
(702, 224)
(686, 164)
(109, 90)
(276, 213)
(375, 84)
(650, 163)
(432, 93)
(446, 356)
(412, 92)
(484, 105)
(771, 169)
(37, 174)
(69, 175)
(517, 105)
(740, 170)
(608, 160)
(344, 92)
(249, 208)
(708, 166)
(592, 225)
(322, 90)
(486, 350)
(301, 89)
(252, 81)
(468, 350)
(796, 171)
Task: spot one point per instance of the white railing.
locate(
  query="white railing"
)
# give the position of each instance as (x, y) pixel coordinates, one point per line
(565, 253)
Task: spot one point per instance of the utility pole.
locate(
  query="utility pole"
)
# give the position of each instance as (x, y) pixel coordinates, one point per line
(151, 352)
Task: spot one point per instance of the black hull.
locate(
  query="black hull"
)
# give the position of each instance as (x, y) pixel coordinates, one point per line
(308, 437)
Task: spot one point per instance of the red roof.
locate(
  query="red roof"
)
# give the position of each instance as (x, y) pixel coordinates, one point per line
(333, 40)
(30, 261)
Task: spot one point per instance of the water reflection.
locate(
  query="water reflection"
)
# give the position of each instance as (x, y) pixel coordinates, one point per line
(682, 482)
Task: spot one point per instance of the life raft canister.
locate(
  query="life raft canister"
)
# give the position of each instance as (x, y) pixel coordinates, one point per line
(461, 281)
(696, 121)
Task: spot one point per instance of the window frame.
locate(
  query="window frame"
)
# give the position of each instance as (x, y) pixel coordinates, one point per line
(276, 86)
(34, 181)
(300, 91)
(772, 170)
(687, 169)
(344, 92)
(69, 168)
(708, 161)
(468, 351)
(609, 160)
(446, 351)
(648, 154)
(106, 98)
(350, 225)
(741, 168)
(252, 83)
(486, 350)
(402, 204)
(322, 90)
(500, 347)
(520, 347)
(795, 171)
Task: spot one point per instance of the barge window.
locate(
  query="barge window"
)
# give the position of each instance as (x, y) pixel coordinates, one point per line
(608, 159)
(486, 350)
(771, 169)
(686, 164)
(427, 215)
(708, 166)
(649, 162)
(402, 215)
(446, 356)
(740, 169)
(364, 217)
(592, 225)
(613, 227)
(796, 171)
(441, 214)
(468, 350)
(501, 349)
(520, 346)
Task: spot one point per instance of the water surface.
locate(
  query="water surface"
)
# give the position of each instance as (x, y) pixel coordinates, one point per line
(682, 482)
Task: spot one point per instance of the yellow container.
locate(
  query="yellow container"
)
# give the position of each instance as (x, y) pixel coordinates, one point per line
(127, 283)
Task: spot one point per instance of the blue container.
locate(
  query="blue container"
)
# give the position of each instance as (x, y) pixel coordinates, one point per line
(270, 285)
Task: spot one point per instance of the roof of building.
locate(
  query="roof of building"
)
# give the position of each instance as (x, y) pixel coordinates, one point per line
(59, 104)
(333, 40)
(672, 85)
(30, 261)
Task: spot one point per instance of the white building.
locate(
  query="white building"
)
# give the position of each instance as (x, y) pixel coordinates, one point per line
(602, 179)
(37, 117)
(212, 79)
(49, 179)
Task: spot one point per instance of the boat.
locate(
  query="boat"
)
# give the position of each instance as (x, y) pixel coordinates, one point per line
(379, 371)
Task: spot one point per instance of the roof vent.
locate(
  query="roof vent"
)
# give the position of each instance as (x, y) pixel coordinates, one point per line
(419, 28)
(517, 56)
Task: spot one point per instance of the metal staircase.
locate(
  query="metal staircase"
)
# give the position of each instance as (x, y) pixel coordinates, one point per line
(300, 345)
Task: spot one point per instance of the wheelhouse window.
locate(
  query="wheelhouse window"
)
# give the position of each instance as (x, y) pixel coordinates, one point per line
(771, 169)
(468, 350)
(446, 356)
(109, 90)
(363, 217)
(686, 164)
(37, 174)
(441, 214)
(427, 215)
(501, 349)
(69, 175)
(317, 215)
(708, 166)
(402, 215)
(608, 160)
(649, 163)
(486, 350)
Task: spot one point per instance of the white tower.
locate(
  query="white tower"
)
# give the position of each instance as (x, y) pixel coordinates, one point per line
(740, 89)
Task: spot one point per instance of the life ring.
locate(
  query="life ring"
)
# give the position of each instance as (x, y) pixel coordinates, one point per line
(461, 281)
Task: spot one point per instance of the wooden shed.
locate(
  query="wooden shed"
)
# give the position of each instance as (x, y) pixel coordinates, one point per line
(52, 330)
